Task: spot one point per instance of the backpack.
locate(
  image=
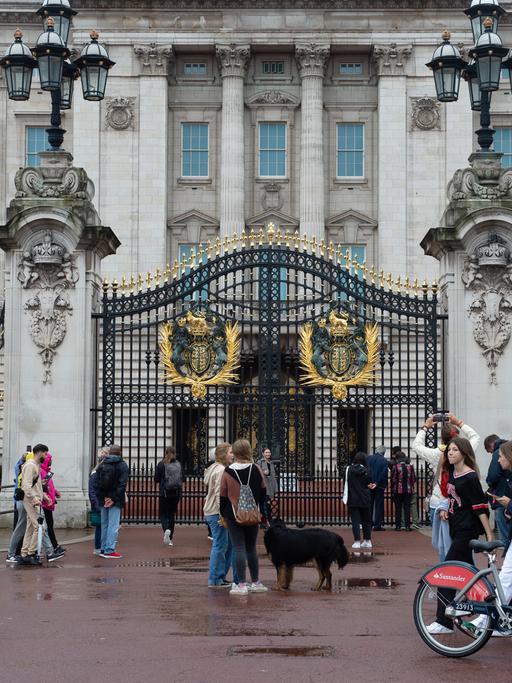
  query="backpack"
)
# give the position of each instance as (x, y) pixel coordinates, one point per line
(172, 477)
(247, 513)
(105, 481)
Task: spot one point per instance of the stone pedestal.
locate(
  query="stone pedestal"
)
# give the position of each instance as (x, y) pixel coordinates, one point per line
(474, 248)
(233, 61)
(311, 62)
(53, 243)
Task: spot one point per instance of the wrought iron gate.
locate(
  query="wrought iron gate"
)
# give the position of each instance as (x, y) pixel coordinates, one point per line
(272, 285)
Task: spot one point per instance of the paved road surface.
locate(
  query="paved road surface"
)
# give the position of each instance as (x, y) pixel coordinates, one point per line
(150, 618)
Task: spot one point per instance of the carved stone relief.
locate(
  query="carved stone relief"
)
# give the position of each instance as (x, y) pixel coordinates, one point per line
(312, 59)
(486, 178)
(119, 112)
(154, 58)
(233, 59)
(390, 59)
(50, 271)
(271, 197)
(273, 97)
(426, 113)
(487, 274)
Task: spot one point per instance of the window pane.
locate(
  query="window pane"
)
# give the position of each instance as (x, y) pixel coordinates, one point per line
(350, 150)
(272, 152)
(36, 140)
(194, 69)
(351, 68)
(194, 149)
(503, 143)
(273, 68)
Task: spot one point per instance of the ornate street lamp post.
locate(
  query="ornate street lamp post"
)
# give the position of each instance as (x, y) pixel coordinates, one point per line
(56, 73)
(482, 73)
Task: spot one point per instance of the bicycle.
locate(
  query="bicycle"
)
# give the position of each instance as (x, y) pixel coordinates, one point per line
(477, 609)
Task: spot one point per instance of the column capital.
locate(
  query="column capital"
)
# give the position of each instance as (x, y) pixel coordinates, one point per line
(233, 59)
(154, 58)
(390, 59)
(312, 59)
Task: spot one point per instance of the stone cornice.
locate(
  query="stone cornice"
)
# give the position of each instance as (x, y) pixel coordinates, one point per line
(312, 59)
(329, 5)
(390, 59)
(154, 58)
(233, 59)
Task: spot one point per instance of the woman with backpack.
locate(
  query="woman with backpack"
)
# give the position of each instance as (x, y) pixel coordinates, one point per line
(169, 477)
(242, 505)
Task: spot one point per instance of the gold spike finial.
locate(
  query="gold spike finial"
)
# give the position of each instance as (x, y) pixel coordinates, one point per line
(132, 284)
(270, 232)
(261, 237)
(106, 285)
(435, 287)
(305, 242)
(115, 285)
(252, 238)
(296, 239)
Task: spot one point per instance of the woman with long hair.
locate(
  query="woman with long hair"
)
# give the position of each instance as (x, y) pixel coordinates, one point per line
(243, 472)
(95, 503)
(451, 427)
(169, 477)
(467, 515)
(359, 484)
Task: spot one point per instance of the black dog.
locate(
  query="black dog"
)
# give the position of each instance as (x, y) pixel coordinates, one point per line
(289, 547)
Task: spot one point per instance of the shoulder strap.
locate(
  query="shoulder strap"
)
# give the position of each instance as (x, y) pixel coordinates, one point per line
(248, 478)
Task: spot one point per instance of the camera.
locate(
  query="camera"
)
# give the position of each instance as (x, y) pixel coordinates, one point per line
(440, 417)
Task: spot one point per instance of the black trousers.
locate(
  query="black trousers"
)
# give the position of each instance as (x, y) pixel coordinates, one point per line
(243, 539)
(361, 517)
(48, 515)
(168, 507)
(377, 507)
(459, 550)
(402, 502)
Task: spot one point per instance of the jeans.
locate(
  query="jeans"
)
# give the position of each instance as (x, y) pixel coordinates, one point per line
(97, 537)
(441, 539)
(503, 525)
(377, 507)
(19, 530)
(110, 519)
(220, 553)
(361, 516)
(244, 546)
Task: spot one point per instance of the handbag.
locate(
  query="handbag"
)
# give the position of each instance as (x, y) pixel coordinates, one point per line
(94, 518)
(345, 488)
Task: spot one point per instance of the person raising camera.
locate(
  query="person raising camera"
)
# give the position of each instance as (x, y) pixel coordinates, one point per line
(451, 427)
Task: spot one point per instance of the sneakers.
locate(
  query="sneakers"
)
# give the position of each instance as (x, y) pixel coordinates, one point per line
(59, 549)
(96, 551)
(170, 542)
(356, 544)
(224, 584)
(12, 559)
(239, 589)
(167, 536)
(210, 538)
(366, 544)
(437, 629)
(30, 560)
(54, 556)
(501, 634)
(111, 556)
(257, 587)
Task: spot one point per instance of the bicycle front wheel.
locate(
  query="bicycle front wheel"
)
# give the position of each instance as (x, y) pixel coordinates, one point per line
(469, 634)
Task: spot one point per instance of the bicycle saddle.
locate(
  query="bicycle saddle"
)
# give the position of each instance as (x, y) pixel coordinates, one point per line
(485, 546)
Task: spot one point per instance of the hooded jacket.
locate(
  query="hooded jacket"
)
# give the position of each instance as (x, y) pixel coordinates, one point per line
(48, 486)
(496, 476)
(31, 482)
(358, 492)
(212, 477)
(119, 478)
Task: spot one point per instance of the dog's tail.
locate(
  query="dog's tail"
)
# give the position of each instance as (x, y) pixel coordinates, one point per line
(341, 553)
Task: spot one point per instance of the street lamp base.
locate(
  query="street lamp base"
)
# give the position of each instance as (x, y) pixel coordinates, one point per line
(55, 136)
(485, 137)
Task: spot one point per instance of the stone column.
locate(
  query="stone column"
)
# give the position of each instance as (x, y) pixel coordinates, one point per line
(392, 165)
(53, 243)
(153, 190)
(233, 60)
(311, 62)
(474, 248)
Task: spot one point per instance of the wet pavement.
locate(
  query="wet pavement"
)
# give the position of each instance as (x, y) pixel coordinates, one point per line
(150, 617)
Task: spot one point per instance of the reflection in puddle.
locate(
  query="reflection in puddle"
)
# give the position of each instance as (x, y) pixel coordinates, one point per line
(109, 580)
(361, 558)
(353, 583)
(312, 651)
(165, 562)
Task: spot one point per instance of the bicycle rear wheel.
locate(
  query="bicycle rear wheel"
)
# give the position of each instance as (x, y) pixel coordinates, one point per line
(466, 637)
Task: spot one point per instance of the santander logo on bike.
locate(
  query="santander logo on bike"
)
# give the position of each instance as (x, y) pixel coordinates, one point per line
(450, 577)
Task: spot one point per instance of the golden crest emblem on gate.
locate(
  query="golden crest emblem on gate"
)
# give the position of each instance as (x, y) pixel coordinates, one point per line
(337, 354)
(200, 350)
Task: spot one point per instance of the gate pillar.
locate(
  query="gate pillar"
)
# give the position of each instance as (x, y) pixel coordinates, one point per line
(53, 243)
(474, 248)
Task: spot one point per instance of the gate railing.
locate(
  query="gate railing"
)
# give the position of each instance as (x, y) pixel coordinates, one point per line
(301, 500)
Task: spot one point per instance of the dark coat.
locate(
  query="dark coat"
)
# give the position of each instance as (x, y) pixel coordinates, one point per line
(120, 473)
(378, 469)
(358, 492)
(496, 476)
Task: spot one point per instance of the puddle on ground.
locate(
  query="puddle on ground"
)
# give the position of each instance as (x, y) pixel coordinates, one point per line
(342, 585)
(170, 562)
(108, 580)
(361, 558)
(190, 569)
(312, 651)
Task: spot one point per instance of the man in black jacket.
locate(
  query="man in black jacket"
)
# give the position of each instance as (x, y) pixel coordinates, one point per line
(497, 479)
(378, 471)
(110, 486)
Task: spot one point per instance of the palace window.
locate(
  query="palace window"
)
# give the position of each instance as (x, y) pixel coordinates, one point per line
(351, 69)
(194, 160)
(350, 150)
(272, 152)
(273, 68)
(503, 144)
(36, 140)
(195, 69)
